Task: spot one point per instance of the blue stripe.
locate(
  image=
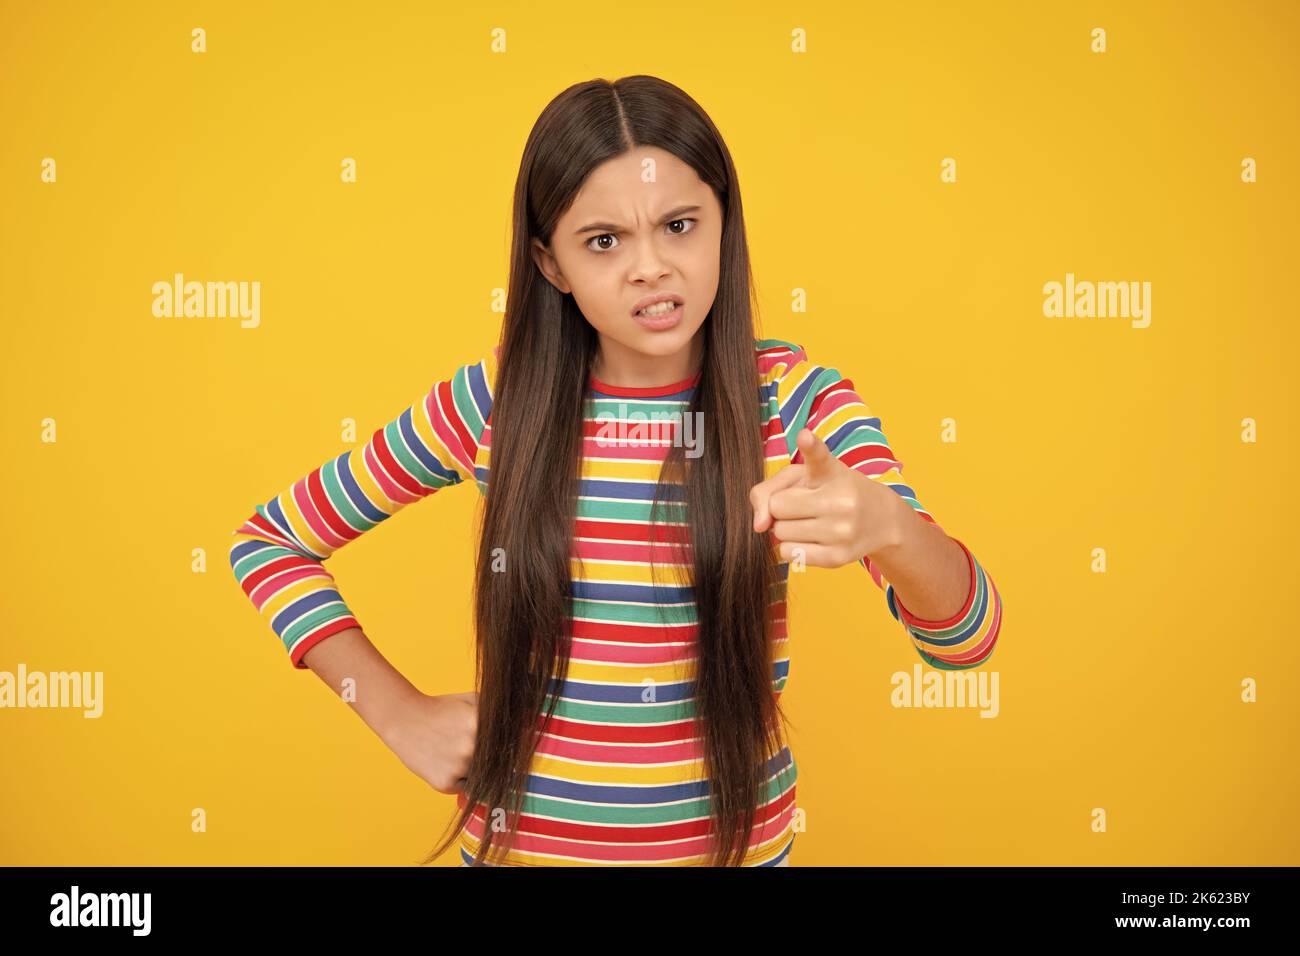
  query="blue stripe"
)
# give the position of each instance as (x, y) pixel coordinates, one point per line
(903, 490)
(605, 793)
(354, 492)
(476, 378)
(665, 693)
(628, 490)
(246, 549)
(422, 453)
(304, 605)
(639, 593)
(794, 404)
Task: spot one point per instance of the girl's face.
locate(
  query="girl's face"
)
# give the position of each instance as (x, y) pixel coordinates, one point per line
(643, 223)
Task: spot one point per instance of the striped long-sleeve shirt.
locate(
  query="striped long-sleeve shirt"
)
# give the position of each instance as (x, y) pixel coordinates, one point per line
(617, 778)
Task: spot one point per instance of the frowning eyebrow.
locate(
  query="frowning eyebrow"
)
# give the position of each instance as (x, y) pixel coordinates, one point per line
(612, 227)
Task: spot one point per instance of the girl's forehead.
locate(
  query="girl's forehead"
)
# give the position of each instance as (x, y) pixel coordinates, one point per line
(641, 169)
(636, 187)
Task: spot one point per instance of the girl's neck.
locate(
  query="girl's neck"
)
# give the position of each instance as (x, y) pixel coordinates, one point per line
(620, 366)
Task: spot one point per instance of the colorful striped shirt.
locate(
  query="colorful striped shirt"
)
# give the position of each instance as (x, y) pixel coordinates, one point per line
(617, 778)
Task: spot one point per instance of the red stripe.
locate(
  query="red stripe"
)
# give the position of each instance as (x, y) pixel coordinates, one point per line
(640, 531)
(843, 384)
(629, 431)
(451, 416)
(395, 471)
(262, 524)
(272, 568)
(324, 508)
(672, 732)
(329, 630)
(634, 634)
(870, 452)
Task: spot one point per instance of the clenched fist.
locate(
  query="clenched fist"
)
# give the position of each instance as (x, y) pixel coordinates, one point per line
(435, 739)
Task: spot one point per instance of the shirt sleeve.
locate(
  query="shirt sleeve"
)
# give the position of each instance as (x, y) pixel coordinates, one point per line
(279, 552)
(819, 398)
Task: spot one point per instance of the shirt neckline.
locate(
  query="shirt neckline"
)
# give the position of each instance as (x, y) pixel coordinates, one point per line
(645, 391)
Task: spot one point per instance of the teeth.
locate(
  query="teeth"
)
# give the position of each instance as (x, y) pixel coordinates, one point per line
(659, 308)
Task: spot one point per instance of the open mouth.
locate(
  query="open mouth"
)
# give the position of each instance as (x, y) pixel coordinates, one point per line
(658, 306)
(658, 320)
(658, 309)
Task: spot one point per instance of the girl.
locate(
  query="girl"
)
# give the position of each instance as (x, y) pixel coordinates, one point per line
(649, 473)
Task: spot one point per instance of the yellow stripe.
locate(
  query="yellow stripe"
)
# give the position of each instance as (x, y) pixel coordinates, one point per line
(667, 573)
(646, 471)
(636, 775)
(602, 673)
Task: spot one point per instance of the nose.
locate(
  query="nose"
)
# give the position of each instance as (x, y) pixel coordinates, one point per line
(649, 265)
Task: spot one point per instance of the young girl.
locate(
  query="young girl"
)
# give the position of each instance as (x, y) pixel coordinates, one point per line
(649, 474)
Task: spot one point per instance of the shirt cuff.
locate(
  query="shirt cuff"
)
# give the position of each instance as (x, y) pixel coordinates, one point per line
(315, 637)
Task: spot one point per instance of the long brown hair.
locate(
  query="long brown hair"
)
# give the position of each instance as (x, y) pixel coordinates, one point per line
(523, 614)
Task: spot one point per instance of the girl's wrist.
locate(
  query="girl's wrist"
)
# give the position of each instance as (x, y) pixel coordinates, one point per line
(894, 530)
(388, 709)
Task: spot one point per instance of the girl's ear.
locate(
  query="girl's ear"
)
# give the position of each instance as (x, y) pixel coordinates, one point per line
(548, 266)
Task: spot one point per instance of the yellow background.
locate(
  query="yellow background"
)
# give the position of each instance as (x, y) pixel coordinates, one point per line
(1118, 690)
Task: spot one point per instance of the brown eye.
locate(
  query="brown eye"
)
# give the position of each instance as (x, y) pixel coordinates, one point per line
(683, 221)
(606, 235)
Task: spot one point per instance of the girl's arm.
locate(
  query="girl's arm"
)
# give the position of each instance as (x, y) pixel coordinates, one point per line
(279, 552)
(926, 561)
(432, 735)
(387, 695)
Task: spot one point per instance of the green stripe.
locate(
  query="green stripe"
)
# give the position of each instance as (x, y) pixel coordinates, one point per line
(615, 408)
(862, 435)
(330, 612)
(656, 713)
(635, 814)
(616, 814)
(606, 509)
(612, 612)
(251, 562)
(463, 400)
(824, 378)
(408, 461)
